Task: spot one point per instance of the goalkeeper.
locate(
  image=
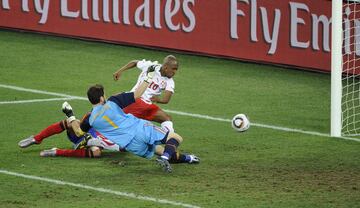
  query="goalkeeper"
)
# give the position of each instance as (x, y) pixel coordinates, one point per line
(135, 135)
(90, 141)
(90, 145)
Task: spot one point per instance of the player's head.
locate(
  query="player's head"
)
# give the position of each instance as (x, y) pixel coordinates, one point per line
(95, 94)
(170, 66)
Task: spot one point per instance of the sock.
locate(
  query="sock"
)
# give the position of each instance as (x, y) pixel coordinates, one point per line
(170, 148)
(177, 157)
(168, 125)
(72, 153)
(55, 128)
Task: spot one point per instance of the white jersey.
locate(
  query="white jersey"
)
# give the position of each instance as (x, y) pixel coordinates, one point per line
(158, 84)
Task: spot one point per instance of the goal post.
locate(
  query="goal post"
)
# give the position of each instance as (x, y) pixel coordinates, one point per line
(336, 68)
(345, 68)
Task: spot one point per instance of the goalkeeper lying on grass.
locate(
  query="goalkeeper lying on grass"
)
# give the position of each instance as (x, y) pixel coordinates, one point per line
(134, 135)
(89, 145)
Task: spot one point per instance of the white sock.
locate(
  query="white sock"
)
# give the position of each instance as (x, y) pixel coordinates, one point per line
(167, 125)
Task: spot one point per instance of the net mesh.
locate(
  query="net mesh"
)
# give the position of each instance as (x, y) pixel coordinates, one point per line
(351, 69)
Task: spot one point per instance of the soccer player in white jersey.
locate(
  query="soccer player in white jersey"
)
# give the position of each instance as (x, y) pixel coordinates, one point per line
(159, 90)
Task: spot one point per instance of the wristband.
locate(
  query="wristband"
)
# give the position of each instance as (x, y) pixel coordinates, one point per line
(70, 119)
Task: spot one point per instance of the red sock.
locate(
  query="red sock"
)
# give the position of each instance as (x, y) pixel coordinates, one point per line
(55, 128)
(71, 152)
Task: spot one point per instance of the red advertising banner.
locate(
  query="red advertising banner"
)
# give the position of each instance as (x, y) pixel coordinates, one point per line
(294, 32)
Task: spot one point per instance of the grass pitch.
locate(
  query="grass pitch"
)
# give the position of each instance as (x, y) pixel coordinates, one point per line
(262, 167)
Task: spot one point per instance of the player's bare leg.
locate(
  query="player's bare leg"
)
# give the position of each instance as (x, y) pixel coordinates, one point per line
(164, 119)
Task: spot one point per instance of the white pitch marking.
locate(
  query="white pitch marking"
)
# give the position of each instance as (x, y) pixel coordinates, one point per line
(35, 100)
(39, 91)
(313, 133)
(103, 190)
(260, 125)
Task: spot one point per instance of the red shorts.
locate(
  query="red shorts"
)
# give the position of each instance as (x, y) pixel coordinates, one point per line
(141, 109)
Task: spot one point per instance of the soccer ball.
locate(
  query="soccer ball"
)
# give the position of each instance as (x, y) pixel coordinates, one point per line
(240, 122)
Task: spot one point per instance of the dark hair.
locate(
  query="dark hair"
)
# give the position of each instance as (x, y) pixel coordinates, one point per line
(94, 93)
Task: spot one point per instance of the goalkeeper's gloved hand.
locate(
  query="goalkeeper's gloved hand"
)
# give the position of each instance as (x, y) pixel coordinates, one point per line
(67, 109)
(83, 143)
(150, 74)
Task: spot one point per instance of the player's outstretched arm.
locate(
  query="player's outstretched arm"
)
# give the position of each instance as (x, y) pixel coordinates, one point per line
(164, 99)
(117, 74)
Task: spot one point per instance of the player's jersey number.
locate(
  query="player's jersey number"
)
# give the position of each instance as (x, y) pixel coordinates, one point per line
(153, 86)
(110, 122)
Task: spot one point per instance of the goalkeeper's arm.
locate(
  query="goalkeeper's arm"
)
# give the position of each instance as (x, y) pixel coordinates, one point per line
(131, 64)
(75, 125)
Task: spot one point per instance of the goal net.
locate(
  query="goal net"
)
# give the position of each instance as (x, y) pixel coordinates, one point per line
(348, 76)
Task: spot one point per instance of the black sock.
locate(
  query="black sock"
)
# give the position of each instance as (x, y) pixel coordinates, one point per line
(170, 148)
(177, 157)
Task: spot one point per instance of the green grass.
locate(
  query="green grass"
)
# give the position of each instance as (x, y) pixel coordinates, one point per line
(259, 168)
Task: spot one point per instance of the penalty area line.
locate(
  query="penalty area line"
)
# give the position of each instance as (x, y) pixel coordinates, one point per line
(103, 190)
(313, 133)
(22, 89)
(35, 100)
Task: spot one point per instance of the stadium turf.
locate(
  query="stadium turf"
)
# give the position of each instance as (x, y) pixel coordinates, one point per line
(263, 167)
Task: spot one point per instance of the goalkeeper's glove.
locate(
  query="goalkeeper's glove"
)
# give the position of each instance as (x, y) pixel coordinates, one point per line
(150, 74)
(83, 143)
(67, 109)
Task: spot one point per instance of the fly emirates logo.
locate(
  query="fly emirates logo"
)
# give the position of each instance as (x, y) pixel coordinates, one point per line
(148, 14)
(266, 26)
(292, 23)
(306, 29)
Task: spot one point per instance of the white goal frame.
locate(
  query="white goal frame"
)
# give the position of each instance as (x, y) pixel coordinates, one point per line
(336, 68)
(345, 68)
